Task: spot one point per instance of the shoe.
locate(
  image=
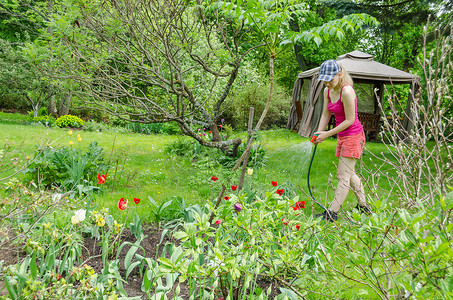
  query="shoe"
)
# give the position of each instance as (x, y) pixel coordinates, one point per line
(328, 215)
(363, 209)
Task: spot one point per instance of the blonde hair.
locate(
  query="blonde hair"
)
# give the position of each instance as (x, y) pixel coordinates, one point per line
(345, 78)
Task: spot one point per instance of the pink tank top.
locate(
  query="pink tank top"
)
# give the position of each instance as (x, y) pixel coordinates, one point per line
(337, 108)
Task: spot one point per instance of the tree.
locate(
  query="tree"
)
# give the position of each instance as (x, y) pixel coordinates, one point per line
(26, 20)
(20, 79)
(400, 34)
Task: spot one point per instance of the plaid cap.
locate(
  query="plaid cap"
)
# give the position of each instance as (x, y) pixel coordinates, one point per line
(329, 69)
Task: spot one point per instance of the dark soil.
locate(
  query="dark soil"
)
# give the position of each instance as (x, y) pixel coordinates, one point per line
(151, 245)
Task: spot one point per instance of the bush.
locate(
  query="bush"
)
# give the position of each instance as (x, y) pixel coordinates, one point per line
(255, 95)
(116, 121)
(41, 112)
(46, 120)
(67, 168)
(95, 126)
(154, 128)
(69, 121)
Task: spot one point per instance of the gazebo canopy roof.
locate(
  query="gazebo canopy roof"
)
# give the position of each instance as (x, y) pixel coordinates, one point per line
(361, 66)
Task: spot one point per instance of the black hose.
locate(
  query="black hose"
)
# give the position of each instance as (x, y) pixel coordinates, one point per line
(308, 179)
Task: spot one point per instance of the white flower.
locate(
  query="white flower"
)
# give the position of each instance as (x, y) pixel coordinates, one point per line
(56, 197)
(80, 214)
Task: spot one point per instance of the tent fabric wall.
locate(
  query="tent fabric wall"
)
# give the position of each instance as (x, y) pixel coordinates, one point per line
(362, 68)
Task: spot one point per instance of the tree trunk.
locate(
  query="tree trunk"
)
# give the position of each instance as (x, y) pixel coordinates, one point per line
(65, 103)
(297, 48)
(52, 108)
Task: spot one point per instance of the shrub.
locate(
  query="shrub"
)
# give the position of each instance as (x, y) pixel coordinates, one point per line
(116, 121)
(41, 112)
(46, 120)
(255, 95)
(92, 125)
(67, 168)
(69, 121)
(154, 128)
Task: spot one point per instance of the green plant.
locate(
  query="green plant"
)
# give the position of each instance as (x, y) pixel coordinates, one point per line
(117, 121)
(154, 128)
(41, 113)
(68, 168)
(69, 121)
(158, 210)
(257, 157)
(46, 120)
(92, 125)
(105, 228)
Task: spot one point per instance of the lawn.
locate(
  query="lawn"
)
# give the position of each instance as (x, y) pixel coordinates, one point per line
(141, 168)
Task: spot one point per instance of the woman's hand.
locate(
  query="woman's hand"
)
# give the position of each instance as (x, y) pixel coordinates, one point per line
(322, 136)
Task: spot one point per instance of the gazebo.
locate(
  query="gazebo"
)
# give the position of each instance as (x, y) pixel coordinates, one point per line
(369, 79)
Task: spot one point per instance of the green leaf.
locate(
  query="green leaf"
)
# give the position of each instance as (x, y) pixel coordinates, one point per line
(12, 289)
(33, 266)
(317, 40)
(131, 268)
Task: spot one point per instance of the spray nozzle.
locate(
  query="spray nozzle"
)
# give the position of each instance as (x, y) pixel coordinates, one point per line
(313, 138)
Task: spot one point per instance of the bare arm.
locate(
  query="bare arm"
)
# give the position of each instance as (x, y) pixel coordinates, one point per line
(326, 114)
(347, 97)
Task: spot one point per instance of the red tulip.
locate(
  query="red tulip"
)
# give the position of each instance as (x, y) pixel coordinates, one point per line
(280, 191)
(234, 187)
(122, 204)
(102, 178)
(137, 200)
(214, 178)
(226, 198)
(274, 183)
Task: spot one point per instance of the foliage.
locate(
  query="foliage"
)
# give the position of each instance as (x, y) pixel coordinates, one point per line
(423, 169)
(20, 80)
(257, 157)
(54, 266)
(254, 95)
(68, 168)
(154, 128)
(211, 158)
(69, 121)
(267, 235)
(41, 113)
(158, 210)
(46, 120)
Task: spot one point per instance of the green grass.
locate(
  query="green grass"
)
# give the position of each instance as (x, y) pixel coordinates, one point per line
(161, 176)
(8, 118)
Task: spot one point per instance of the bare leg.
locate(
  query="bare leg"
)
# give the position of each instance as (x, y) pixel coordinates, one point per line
(357, 187)
(346, 174)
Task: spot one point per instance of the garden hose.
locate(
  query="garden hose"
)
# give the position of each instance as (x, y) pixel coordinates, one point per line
(308, 177)
(309, 168)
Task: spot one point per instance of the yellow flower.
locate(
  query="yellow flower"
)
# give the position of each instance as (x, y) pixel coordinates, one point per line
(79, 139)
(250, 171)
(70, 143)
(100, 222)
(74, 220)
(70, 132)
(78, 136)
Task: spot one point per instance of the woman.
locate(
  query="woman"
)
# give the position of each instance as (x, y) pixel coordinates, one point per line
(341, 100)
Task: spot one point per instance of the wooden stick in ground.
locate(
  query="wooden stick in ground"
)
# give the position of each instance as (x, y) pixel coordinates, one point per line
(246, 158)
(257, 127)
